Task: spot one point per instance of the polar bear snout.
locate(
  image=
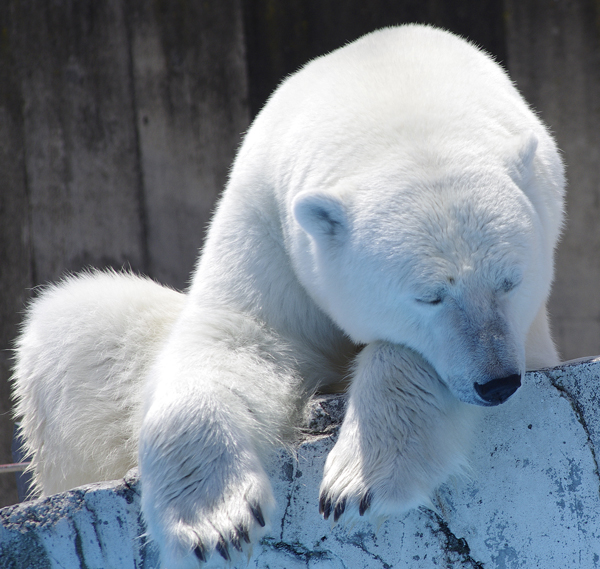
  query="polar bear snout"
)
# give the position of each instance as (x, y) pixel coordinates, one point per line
(498, 390)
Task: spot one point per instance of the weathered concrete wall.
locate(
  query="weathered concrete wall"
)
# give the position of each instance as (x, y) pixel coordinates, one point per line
(189, 77)
(554, 57)
(532, 500)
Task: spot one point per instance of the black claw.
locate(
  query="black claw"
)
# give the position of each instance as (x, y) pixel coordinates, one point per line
(235, 539)
(222, 549)
(328, 508)
(243, 532)
(200, 553)
(257, 513)
(321, 504)
(365, 502)
(325, 507)
(339, 509)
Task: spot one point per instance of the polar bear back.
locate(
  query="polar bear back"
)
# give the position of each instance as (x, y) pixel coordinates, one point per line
(398, 101)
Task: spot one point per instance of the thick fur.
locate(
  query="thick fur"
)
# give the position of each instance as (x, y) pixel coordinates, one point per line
(396, 194)
(82, 361)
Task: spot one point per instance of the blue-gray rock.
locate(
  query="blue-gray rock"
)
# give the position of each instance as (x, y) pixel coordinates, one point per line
(532, 500)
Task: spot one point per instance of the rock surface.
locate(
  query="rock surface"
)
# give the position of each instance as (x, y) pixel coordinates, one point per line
(533, 500)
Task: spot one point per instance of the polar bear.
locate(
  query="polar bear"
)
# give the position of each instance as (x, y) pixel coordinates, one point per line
(391, 216)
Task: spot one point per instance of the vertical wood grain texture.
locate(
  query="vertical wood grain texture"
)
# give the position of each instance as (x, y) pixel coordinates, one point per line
(191, 107)
(80, 141)
(15, 252)
(554, 57)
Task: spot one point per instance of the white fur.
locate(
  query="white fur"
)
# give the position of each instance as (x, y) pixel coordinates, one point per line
(82, 360)
(384, 448)
(397, 193)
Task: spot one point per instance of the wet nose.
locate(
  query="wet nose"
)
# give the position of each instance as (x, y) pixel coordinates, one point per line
(498, 390)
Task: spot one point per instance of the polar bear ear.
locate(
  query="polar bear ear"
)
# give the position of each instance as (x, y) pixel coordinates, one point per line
(523, 153)
(321, 215)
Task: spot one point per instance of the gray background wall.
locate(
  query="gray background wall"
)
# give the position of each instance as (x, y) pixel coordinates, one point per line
(119, 120)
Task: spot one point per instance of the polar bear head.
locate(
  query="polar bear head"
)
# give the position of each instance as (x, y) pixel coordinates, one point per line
(420, 199)
(447, 256)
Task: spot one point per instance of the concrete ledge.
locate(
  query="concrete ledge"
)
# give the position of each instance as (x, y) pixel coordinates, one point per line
(533, 500)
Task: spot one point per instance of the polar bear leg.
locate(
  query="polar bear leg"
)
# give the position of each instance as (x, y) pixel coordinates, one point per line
(81, 360)
(403, 434)
(211, 420)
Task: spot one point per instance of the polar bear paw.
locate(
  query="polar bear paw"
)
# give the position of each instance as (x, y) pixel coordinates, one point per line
(403, 434)
(372, 484)
(354, 487)
(338, 499)
(206, 497)
(193, 524)
(375, 473)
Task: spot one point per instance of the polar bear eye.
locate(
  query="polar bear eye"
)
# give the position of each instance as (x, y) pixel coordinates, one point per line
(430, 301)
(507, 285)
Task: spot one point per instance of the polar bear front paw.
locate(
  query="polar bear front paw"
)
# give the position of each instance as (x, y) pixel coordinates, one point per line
(231, 528)
(191, 520)
(354, 487)
(386, 477)
(205, 495)
(403, 434)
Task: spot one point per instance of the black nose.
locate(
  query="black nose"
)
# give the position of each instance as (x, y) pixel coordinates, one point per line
(498, 390)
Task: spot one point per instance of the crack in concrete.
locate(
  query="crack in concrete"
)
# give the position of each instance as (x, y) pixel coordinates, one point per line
(360, 544)
(95, 524)
(580, 415)
(292, 488)
(453, 545)
(79, 547)
(297, 550)
(285, 513)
